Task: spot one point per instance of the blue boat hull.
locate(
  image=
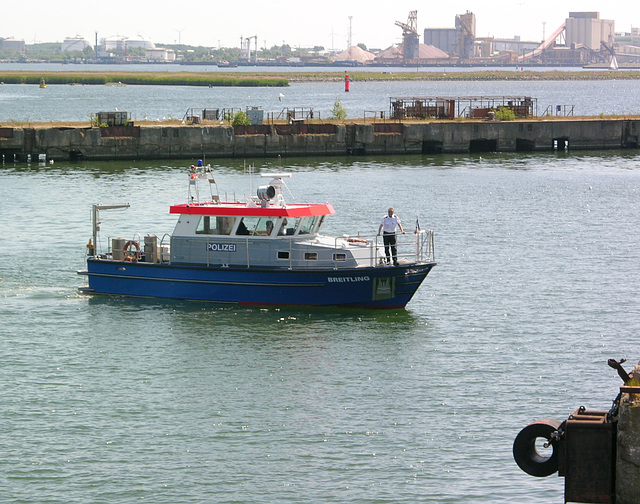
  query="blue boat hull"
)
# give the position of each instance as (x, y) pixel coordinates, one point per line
(374, 287)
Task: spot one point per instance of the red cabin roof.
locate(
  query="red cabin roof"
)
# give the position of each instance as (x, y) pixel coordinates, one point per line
(241, 209)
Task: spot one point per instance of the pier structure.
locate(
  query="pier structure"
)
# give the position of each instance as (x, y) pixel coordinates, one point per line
(627, 452)
(597, 452)
(168, 141)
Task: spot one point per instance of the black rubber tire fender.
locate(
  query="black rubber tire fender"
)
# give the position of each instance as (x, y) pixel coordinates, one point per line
(527, 456)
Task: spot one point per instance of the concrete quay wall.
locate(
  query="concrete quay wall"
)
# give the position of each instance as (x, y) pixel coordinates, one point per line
(300, 139)
(627, 473)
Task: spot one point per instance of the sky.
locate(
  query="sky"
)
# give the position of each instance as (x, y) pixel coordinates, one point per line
(216, 23)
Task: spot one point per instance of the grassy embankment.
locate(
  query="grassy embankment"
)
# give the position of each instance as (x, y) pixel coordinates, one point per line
(144, 78)
(282, 79)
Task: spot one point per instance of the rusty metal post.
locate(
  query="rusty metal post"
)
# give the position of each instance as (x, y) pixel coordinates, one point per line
(589, 456)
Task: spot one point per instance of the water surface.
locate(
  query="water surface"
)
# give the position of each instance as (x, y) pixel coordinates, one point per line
(25, 103)
(123, 400)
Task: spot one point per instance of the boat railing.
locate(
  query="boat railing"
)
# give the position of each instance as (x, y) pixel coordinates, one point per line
(416, 246)
(165, 247)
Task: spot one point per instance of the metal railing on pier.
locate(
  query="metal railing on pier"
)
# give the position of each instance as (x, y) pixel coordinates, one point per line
(559, 110)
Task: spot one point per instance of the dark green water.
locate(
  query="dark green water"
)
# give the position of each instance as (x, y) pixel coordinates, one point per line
(123, 400)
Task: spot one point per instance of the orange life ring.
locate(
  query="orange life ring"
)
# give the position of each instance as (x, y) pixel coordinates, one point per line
(357, 240)
(131, 256)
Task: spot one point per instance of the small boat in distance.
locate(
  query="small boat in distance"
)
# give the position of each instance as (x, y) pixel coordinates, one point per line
(260, 251)
(42, 83)
(614, 63)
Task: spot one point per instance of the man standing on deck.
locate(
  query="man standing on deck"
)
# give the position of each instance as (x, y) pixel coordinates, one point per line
(388, 227)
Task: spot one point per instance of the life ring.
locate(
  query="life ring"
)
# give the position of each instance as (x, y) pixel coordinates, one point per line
(357, 240)
(526, 454)
(130, 255)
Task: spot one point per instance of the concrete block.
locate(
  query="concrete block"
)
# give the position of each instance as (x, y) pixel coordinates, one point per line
(414, 132)
(363, 133)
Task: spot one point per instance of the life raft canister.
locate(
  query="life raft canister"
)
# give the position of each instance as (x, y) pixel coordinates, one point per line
(526, 454)
(131, 256)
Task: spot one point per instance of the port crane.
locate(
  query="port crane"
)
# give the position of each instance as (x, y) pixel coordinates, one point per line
(410, 37)
(245, 44)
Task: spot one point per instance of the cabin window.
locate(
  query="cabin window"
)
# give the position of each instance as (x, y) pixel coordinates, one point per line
(293, 225)
(310, 256)
(267, 230)
(283, 254)
(282, 224)
(243, 229)
(307, 225)
(339, 257)
(215, 225)
(288, 227)
(256, 226)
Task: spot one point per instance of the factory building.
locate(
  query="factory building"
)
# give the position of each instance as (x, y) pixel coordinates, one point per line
(74, 44)
(466, 32)
(11, 44)
(588, 29)
(122, 44)
(158, 54)
(445, 39)
(140, 42)
(582, 39)
(458, 41)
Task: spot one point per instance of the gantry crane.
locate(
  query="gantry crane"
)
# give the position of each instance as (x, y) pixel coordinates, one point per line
(410, 37)
(248, 40)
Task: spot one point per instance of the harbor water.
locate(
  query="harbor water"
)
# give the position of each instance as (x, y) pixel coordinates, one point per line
(21, 104)
(139, 400)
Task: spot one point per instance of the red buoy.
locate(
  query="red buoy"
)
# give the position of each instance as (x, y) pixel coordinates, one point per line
(346, 82)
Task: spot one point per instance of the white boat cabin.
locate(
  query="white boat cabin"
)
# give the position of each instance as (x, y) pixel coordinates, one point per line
(265, 231)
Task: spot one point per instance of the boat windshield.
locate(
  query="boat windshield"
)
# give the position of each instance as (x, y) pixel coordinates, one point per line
(255, 226)
(264, 226)
(307, 225)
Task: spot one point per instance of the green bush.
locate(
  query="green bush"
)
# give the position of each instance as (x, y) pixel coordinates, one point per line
(338, 111)
(505, 114)
(241, 119)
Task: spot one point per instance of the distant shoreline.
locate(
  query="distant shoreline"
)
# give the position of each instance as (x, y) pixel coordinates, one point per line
(480, 75)
(283, 79)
